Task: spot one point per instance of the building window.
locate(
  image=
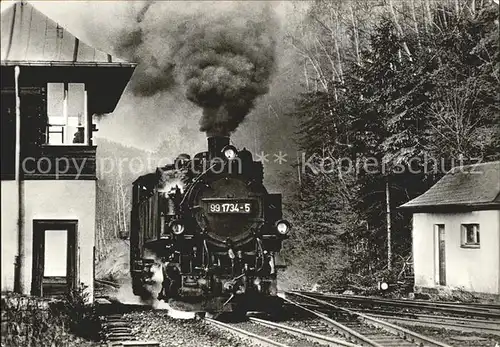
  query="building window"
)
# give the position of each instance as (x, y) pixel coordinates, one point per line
(67, 114)
(470, 235)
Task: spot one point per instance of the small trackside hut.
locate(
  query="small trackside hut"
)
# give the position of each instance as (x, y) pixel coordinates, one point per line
(52, 84)
(456, 231)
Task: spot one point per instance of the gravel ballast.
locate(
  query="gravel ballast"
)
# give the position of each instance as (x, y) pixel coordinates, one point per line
(158, 326)
(275, 335)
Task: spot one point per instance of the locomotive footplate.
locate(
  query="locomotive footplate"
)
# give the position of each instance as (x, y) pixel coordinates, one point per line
(253, 302)
(194, 304)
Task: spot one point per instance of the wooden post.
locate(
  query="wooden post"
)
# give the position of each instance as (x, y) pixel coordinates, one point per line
(298, 170)
(388, 216)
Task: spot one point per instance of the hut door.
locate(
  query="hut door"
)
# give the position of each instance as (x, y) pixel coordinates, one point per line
(54, 257)
(440, 254)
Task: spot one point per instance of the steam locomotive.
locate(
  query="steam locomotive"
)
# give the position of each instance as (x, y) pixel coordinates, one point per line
(211, 229)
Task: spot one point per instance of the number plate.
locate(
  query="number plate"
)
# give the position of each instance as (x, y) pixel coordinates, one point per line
(229, 207)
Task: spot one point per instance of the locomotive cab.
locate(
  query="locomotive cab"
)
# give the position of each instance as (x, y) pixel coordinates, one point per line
(207, 229)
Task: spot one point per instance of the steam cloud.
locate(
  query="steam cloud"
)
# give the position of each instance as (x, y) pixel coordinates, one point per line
(222, 54)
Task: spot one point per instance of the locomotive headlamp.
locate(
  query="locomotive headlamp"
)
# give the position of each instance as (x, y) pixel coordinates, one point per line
(230, 152)
(177, 227)
(283, 227)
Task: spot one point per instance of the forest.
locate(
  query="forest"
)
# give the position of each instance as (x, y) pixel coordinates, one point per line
(397, 94)
(393, 94)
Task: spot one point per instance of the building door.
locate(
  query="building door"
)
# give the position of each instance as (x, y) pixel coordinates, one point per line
(440, 254)
(54, 257)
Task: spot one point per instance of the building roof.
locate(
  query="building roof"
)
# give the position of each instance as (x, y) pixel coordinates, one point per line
(470, 186)
(31, 38)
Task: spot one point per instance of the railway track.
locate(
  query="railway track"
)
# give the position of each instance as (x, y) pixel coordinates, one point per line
(463, 318)
(462, 324)
(300, 337)
(452, 323)
(116, 330)
(488, 311)
(365, 330)
(348, 327)
(255, 338)
(308, 335)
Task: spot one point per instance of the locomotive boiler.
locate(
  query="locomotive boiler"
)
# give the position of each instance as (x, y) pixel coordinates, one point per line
(212, 229)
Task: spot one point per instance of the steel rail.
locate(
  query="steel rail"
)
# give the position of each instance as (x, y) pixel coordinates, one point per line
(424, 316)
(261, 340)
(443, 323)
(389, 327)
(482, 305)
(313, 337)
(341, 328)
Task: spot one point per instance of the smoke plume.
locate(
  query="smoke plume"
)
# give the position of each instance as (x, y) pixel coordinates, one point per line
(221, 54)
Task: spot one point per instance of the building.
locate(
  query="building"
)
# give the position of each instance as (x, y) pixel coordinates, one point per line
(51, 85)
(456, 231)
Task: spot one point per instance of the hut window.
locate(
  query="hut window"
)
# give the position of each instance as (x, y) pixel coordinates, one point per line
(67, 114)
(470, 235)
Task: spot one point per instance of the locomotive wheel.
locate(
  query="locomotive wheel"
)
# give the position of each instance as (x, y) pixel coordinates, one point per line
(239, 313)
(275, 310)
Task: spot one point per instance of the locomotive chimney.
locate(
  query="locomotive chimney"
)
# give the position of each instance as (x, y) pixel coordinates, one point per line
(216, 144)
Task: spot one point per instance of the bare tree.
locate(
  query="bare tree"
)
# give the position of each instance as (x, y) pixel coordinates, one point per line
(456, 128)
(399, 28)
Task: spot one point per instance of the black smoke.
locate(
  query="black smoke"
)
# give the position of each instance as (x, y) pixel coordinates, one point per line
(222, 54)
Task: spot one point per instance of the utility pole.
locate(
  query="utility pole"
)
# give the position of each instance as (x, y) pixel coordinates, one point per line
(388, 217)
(20, 188)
